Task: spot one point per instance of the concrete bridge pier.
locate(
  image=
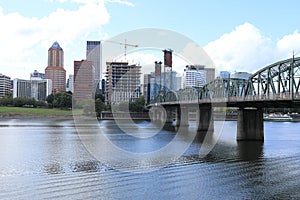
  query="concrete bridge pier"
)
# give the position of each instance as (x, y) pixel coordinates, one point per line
(205, 120)
(169, 115)
(182, 116)
(250, 125)
(156, 115)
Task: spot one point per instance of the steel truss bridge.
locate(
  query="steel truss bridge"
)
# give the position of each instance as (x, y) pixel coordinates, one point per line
(277, 85)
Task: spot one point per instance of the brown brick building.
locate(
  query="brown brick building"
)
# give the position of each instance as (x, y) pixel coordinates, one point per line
(84, 85)
(55, 69)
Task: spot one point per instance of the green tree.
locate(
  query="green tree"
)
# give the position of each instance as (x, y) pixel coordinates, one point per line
(50, 99)
(24, 101)
(99, 106)
(6, 100)
(100, 96)
(138, 105)
(60, 100)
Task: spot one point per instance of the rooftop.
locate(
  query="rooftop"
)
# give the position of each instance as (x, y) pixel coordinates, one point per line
(56, 46)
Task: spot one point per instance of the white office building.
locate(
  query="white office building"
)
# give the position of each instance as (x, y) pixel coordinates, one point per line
(194, 76)
(4, 85)
(38, 89)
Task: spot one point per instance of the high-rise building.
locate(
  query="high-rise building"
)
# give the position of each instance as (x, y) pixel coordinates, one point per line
(55, 69)
(84, 74)
(240, 75)
(149, 83)
(93, 53)
(70, 83)
(224, 74)
(194, 76)
(5, 85)
(123, 82)
(178, 83)
(168, 78)
(37, 75)
(157, 75)
(210, 74)
(38, 89)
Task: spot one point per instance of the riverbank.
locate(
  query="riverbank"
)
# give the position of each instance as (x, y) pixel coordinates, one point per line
(19, 112)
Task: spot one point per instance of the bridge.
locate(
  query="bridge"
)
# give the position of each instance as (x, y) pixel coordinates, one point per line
(276, 85)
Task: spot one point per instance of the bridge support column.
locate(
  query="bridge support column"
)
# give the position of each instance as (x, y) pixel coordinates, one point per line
(156, 115)
(205, 120)
(182, 116)
(250, 125)
(169, 115)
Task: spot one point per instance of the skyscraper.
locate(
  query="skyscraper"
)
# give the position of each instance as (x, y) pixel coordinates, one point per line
(4, 85)
(123, 82)
(55, 69)
(93, 53)
(37, 76)
(240, 75)
(194, 76)
(224, 74)
(83, 79)
(70, 83)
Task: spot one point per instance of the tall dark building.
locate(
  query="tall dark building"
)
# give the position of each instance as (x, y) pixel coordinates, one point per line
(93, 53)
(168, 80)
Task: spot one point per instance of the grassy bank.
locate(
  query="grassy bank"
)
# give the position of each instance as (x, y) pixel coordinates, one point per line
(33, 111)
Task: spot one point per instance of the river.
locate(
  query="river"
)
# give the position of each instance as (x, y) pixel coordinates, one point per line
(44, 158)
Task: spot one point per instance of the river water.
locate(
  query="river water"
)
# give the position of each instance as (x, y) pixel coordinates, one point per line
(42, 159)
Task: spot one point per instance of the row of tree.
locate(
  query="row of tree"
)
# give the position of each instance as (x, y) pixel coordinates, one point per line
(64, 101)
(21, 102)
(135, 106)
(59, 100)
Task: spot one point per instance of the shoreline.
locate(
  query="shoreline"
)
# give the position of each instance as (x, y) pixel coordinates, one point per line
(33, 116)
(71, 117)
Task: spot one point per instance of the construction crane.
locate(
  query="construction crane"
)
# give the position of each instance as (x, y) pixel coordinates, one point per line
(125, 45)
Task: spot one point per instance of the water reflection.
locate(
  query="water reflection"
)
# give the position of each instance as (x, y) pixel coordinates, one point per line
(48, 160)
(87, 166)
(53, 168)
(250, 150)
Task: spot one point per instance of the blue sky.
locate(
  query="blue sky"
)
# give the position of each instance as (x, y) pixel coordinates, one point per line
(238, 35)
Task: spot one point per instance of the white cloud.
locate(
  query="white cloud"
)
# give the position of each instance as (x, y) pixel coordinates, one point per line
(24, 38)
(243, 49)
(247, 49)
(288, 44)
(123, 2)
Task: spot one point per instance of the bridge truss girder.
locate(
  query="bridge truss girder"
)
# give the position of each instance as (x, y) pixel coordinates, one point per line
(224, 88)
(278, 79)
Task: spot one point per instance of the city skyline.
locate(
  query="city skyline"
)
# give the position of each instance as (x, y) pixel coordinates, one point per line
(243, 35)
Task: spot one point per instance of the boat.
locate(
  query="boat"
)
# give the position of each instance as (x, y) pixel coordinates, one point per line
(277, 117)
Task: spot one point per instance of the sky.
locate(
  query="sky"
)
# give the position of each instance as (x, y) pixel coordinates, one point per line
(238, 35)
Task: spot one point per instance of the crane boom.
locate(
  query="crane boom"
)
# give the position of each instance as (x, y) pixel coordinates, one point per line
(123, 43)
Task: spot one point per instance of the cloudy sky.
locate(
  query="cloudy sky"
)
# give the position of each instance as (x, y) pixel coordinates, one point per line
(237, 35)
